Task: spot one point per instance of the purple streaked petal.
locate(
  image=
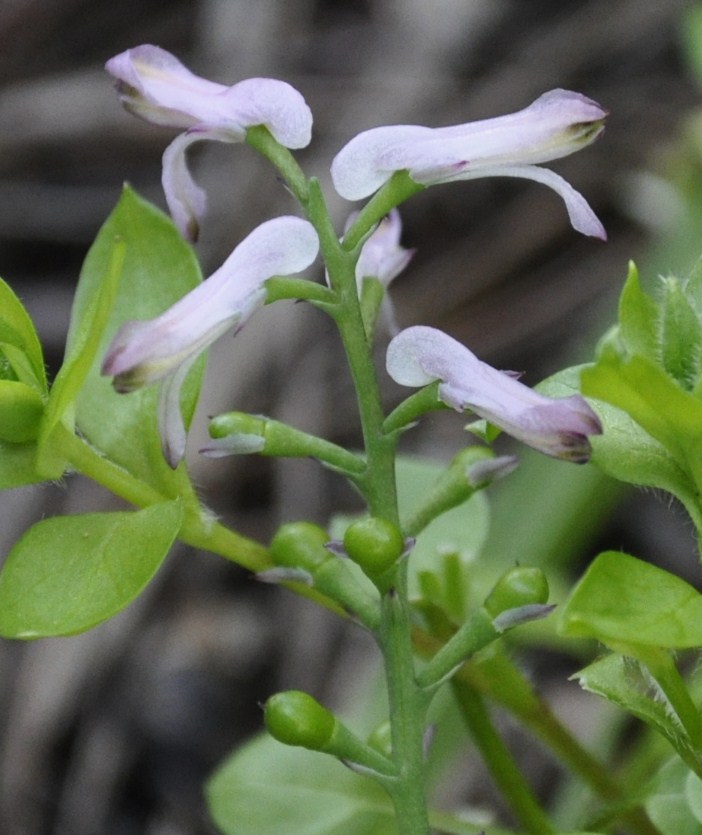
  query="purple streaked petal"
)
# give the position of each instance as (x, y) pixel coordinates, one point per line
(170, 418)
(186, 200)
(581, 216)
(142, 352)
(156, 86)
(557, 427)
(165, 347)
(368, 161)
(382, 257)
(555, 125)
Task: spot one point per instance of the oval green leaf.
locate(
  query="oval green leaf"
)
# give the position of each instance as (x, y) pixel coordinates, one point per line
(69, 573)
(138, 266)
(622, 600)
(265, 786)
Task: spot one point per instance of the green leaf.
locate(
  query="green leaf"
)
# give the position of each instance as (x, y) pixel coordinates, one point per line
(673, 805)
(625, 682)
(21, 410)
(69, 573)
(692, 286)
(266, 785)
(638, 318)
(158, 268)
(17, 329)
(628, 453)
(667, 413)
(681, 338)
(17, 465)
(625, 451)
(623, 600)
(77, 363)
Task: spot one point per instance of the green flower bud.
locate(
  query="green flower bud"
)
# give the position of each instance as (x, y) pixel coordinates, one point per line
(520, 586)
(300, 545)
(295, 718)
(374, 544)
(238, 433)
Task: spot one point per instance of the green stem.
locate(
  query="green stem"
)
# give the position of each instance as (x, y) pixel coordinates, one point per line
(535, 714)
(662, 667)
(407, 704)
(475, 634)
(502, 767)
(378, 485)
(199, 529)
(261, 139)
(398, 188)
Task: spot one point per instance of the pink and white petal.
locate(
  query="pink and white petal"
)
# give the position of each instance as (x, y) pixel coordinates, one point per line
(281, 246)
(170, 417)
(418, 356)
(357, 171)
(186, 200)
(582, 217)
(156, 86)
(275, 104)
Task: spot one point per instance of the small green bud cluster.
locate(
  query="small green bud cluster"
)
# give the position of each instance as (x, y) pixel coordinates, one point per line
(302, 547)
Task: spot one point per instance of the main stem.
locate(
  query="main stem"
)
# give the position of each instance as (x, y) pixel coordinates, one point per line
(405, 699)
(394, 635)
(407, 706)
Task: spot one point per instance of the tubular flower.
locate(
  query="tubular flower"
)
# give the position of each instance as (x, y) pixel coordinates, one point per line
(557, 427)
(164, 348)
(384, 259)
(154, 85)
(556, 124)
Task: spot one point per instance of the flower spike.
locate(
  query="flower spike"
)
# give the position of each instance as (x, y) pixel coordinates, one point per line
(559, 427)
(154, 85)
(556, 124)
(164, 348)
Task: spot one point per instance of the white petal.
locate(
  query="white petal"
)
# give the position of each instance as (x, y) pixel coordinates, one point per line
(186, 200)
(356, 171)
(170, 418)
(582, 218)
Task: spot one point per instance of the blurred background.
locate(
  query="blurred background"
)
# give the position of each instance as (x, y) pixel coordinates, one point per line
(113, 731)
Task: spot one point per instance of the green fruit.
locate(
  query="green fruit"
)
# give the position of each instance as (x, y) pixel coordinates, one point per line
(520, 586)
(300, 545)
(295, 718)
(374, 544)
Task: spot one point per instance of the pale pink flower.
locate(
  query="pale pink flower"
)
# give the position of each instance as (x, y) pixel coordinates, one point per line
(164, 348)
(555, 125)
(154, 85)
(558, 427)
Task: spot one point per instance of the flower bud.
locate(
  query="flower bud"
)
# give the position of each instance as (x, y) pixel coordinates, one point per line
(300, 545)
(374, 544)
(295, 718)
(520, 586)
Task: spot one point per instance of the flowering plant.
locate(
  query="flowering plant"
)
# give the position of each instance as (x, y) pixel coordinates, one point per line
(120, 408)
